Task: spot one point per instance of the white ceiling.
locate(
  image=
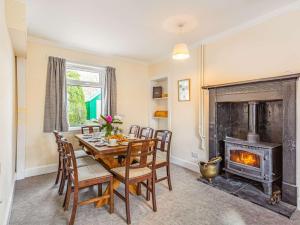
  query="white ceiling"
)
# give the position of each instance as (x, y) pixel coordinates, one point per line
(138, 29)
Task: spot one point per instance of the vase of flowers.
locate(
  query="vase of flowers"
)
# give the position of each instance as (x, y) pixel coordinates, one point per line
(109, 124)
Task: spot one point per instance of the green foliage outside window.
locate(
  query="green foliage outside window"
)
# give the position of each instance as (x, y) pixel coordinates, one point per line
(76, 102)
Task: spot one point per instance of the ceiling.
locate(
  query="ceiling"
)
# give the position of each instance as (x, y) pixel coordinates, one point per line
(139, 29)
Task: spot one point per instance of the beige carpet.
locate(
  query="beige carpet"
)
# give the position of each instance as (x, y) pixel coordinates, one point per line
(191, 202)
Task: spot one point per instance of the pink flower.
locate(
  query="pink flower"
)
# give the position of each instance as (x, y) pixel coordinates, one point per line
(109, 119)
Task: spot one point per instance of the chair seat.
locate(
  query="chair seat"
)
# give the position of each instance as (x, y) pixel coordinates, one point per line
(86, 161)
(133, 173)
(80, 153)
(91, 172)
(161, 157)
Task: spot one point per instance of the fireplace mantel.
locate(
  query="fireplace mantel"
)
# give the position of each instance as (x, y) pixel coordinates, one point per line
(282, 88)
(268, 79)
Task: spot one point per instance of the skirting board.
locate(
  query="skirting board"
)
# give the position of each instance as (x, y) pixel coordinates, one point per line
(10, 202)
(40, 170)
(184, 163)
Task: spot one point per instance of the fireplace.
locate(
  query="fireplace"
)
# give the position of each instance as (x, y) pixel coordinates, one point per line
(253, 126)
(252, 159)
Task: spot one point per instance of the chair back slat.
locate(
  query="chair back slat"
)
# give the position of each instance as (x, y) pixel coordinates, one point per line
(90, 129)
(70, 161)
(163, 140)
(146, 133)
(58, 137)
(140, 150)
(134, 129)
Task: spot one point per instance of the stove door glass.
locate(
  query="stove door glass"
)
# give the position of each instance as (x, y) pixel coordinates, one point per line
(245, 158)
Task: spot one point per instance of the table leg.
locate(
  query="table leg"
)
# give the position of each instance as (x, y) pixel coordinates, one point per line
(111, 162)
(116, 185)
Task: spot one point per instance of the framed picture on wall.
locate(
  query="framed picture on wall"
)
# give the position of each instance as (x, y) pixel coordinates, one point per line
(184, 90)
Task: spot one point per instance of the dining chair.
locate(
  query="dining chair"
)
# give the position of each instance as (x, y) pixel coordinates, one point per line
(134, 129)
(82, 157)
(146, 133)
(163, 154)
(83, 177)
(137, 172)
(60, 156)
(90, 129)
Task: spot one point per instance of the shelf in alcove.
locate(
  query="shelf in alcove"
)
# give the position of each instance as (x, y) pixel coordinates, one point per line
(162, 98)
(159, 118)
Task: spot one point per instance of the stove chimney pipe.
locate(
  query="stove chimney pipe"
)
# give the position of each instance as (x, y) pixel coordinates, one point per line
(252, 137)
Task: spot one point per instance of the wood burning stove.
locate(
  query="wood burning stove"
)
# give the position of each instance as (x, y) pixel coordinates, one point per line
(253, 159)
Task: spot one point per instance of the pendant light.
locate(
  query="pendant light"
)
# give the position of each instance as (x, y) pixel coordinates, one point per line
(180, 50)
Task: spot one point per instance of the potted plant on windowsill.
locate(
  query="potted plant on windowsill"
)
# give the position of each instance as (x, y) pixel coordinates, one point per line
(109, 124)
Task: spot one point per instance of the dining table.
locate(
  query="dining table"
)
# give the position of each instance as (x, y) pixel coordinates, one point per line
(108, 156)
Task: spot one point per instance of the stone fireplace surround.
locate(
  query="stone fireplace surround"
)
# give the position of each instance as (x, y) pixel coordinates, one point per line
(283, 89)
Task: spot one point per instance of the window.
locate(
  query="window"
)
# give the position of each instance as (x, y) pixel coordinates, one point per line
(84, 91)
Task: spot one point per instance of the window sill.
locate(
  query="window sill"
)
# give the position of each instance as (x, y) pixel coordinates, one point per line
(74, 129)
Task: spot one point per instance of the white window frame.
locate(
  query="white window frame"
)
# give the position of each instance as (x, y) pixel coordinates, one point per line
(87, 68)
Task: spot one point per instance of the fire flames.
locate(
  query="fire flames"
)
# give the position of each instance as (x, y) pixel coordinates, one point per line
(245, 158)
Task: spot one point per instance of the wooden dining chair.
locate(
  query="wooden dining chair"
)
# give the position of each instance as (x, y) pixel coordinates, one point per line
(79, 153)
(90, 129)
(83, 177)
(60, 156)
(82, 157)
(163, 154)
(146, 133)
(134, 129)
(137, 172)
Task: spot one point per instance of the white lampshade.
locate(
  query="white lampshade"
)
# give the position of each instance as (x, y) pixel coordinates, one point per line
(180, 51)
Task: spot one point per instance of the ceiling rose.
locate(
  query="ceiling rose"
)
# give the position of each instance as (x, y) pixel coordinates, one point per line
(171, 24)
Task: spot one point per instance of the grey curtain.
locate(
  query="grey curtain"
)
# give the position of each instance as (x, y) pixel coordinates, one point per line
(110, 92)
(55, 115)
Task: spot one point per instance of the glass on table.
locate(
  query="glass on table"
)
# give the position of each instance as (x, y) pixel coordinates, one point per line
(97, 135)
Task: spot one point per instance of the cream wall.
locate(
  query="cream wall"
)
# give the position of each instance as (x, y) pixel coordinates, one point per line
(185, 115)
(7, 117)
(271, 48)
(132, 92)
(17, 25)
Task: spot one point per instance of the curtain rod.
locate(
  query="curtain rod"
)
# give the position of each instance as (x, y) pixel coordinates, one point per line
(85, 65)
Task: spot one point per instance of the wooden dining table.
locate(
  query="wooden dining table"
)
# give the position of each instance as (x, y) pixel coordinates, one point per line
(107, 156)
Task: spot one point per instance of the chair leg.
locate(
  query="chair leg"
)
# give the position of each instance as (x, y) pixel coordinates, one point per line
(153, 195)
(62, 182)
(148, 187)
(63, 178)
(75, 204)
(58, 171)
(169, 177)
(67, 196)
(99, 189)
(127, 203)
(111, 193)
(139, 189)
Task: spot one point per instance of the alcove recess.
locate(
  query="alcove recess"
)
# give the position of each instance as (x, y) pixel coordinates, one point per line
(159, 104)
